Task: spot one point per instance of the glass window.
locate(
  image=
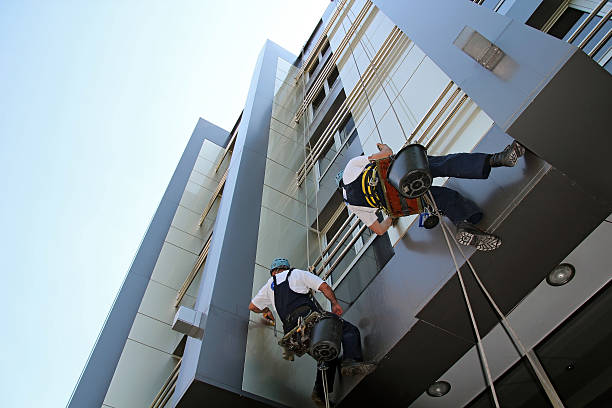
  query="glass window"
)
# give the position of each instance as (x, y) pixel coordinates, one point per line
(324, 48)
(373, 258)
(577, 355)
(313, 67)
(316, 102)
(571, 19)
(517, 388)
(331, 79)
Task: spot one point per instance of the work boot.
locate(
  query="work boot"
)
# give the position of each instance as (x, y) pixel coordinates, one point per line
(468, 234)
(352, 367)
(508, 157)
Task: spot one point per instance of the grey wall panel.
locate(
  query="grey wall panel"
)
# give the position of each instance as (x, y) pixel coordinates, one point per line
(98, 373)
(552, 97)
(434, 26)
(211, 132)
(569, 127)
(226, 287)
(416, 283)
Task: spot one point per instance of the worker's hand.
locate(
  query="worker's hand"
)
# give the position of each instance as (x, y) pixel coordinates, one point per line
(382, 146)
(337, 309)
(269, 316)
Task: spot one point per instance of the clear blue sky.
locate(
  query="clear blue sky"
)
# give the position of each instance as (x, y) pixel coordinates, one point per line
(97, 102)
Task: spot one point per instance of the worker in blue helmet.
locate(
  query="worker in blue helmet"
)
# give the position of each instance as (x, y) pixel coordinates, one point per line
(288, 289)
(358, 177)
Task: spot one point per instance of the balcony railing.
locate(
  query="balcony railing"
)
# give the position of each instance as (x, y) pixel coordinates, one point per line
(395, 37)
(315, 50)
(194, 271)
(331, 62)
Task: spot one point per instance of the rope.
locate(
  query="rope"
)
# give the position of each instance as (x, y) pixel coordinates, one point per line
(512, 334)
(365, 91)
(325, 390)
(306, 192)
(381, 86)
(481, 351)
(306, 184)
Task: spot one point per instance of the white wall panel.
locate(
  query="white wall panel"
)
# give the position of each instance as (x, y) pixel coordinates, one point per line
(195, 197)
(158, 302)
(402, 72)
(285, 205)
(424, 87)
(280, 237)
(184, 240)
(154, 333)
(187, 220)
(292, 130)
(283, 179)
(207, 167)
(141, 372)
(173, 265)
(210, 151)
(203, 180)
(283, 150)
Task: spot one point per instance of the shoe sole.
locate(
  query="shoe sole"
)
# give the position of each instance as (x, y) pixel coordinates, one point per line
(483, 242)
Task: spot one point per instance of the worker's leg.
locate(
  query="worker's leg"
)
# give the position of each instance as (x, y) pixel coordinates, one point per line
(464, 213)
(351, 342)
(352, 357)
(474, 165)
(460, 165)
(351, 349)
(455, 206)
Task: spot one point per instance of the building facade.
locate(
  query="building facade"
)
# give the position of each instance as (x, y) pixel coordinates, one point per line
(398, 73)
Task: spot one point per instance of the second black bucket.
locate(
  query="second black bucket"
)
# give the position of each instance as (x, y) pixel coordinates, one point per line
(409, 173)
(326, 338)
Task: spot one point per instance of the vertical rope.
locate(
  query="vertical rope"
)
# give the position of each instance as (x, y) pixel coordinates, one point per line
(381, 84)
(481, 351)
(305, 177)
(325, 390)
(365, 91)
(544, 382)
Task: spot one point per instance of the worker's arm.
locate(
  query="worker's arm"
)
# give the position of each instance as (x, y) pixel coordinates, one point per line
(329, 294)
(267, 313)
(385, 151)
(381, 227)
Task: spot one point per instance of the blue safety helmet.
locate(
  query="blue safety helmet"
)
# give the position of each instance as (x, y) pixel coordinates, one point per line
(339, 177)
(279, 263)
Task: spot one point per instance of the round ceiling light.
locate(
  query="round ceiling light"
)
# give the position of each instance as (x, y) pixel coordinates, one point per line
(561, 274)
(438, 389)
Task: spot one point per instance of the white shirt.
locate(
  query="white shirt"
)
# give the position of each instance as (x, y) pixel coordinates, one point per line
(299, 281)
(353, 169)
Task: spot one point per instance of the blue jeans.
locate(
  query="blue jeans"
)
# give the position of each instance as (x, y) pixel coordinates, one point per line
(459, 165)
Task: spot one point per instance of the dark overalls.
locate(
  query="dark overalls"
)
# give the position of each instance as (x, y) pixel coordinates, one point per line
(291, 305)
(455, 206)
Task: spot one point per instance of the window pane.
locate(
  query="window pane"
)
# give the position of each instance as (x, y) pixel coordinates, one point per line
(577, 356)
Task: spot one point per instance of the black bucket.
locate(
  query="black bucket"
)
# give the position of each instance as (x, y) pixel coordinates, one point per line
(326, 338)
(409, 172)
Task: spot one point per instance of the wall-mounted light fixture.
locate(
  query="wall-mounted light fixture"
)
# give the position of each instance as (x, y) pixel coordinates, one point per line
(478, 47)
(438, 389)
(561, 274)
